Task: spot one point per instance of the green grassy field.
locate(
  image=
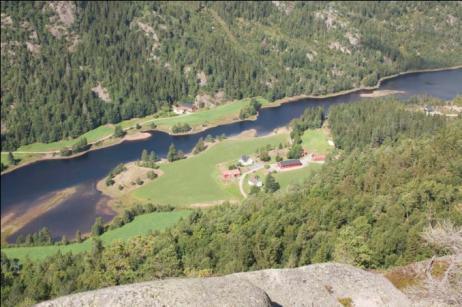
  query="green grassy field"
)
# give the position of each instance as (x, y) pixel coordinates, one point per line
(209, 117)
(18, 156)
(296, 176)
(92, 136)
(196, 179)
(316, 141)
(142, 224)
(202, 118)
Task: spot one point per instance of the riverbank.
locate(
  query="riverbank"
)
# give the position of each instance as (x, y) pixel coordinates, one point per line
(200, 119)
(141, 225)
(126, 181)
(279, 102)
(100, 144)
(12, 221)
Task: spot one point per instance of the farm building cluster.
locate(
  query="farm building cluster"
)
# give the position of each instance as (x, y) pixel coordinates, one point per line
(184, 108)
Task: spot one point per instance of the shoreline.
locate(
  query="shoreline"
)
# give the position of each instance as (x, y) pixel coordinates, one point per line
(274, 104)
(140, 135)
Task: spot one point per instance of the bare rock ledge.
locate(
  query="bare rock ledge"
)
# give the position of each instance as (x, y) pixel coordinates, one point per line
(325, 284)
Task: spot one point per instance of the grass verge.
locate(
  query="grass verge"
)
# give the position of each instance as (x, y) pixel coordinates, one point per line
(141, 225)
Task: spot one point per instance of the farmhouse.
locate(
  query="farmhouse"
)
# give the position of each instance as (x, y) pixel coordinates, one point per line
(245, 160)
(230, 174)
(428, 110)
(183, 109)
(289, 163)
(316, 157)
(255, 181)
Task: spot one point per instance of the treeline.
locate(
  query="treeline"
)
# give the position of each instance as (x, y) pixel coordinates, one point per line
(312, 118)
(373, 123)
(47, 81)
(250, 110)
(367, 208)
(44, 236)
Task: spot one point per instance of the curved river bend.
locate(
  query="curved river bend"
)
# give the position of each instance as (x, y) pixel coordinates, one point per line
(23, 188)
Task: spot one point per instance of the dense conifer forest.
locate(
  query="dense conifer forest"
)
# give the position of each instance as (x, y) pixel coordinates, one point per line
(69, 67)
(367, 206)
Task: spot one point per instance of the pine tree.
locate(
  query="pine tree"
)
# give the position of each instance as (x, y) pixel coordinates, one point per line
(78, 236)
(271, 185)
(172, 154)
(152, 156)
(11, 159)
(144, 156)
(118, 132)
(98, 228)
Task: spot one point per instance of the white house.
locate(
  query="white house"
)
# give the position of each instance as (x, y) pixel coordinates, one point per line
(183, 109)
(255, 181)
(245, 160)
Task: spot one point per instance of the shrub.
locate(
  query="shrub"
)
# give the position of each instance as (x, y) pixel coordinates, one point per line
(152, 175)
(181, 127)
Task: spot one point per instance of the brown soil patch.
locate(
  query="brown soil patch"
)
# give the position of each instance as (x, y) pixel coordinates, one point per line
(65, 11)
(247, 134)
(102, 92)
(380, 93)
(127, 180)
(137, 136)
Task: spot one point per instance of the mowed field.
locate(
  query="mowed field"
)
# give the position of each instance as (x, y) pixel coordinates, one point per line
(141, 225)
(17, 156)
(214, 116)
(315, 140)
(296, 176)
(196, 180)
(92, 136)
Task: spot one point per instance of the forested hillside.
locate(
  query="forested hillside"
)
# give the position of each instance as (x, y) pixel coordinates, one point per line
(367, 206)
(68, 67)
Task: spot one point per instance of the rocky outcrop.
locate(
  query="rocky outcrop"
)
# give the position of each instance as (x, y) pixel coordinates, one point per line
(326, 284)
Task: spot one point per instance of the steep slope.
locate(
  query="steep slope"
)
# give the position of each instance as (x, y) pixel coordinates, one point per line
(69, 67)
(327, 284)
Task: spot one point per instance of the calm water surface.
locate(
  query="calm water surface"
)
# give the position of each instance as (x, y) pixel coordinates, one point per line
(24, 188)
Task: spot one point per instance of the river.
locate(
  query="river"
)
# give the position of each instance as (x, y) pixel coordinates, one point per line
(27, 186)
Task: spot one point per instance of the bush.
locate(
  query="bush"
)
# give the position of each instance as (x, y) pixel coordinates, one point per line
(109, 181)
(152, 175)
(295, 152)
(80, 146)
(119, 132)
(264, 156)
(65, 152)
(181, 127)
(200, 146)
(250, 110)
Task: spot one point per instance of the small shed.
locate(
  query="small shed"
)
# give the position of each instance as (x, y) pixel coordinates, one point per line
(289, 163)
(316, 157)
(230, 174)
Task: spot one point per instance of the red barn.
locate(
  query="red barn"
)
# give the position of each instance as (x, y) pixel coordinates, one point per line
(316, 157)
(229, 174)
(289, 163)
